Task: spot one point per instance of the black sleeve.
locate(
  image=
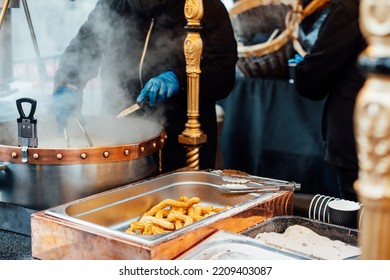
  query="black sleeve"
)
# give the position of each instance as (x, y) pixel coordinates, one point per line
(335, 45)
(81, 59)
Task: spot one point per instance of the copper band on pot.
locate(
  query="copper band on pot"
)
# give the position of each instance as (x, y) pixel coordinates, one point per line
(87, 155)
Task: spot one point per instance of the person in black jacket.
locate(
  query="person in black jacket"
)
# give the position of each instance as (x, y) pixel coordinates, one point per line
(137, 45)
(330, 71)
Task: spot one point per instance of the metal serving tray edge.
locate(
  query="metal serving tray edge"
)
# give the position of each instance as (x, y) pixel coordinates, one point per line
(224, 245)
(107, 215)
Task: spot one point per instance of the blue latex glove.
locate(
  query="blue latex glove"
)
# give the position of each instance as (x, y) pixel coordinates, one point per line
(66, 101)
(159, 89)
(292, 63)
(297, 58)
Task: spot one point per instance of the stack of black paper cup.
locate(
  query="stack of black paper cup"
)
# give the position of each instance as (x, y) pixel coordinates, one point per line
(328, 209)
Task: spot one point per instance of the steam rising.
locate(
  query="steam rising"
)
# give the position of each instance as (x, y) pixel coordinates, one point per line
(56, 23)
(106, 132)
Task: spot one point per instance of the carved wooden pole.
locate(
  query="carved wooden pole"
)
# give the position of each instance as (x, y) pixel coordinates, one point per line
(192, 137)
(372, 130)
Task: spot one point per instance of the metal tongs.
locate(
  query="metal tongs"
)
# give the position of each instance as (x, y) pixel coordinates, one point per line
(66, 135)
(243, 188)
(236, 182)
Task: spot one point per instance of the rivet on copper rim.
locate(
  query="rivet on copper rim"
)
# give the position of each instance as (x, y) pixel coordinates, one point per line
(154, 145)
(106, 154)
(83, 155)
(14, 155)
(162, 140)
(127, 152)
(59, 156)
(142, 149)
(35, 156)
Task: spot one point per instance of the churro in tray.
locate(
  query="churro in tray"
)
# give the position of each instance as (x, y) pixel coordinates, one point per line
(170, 214)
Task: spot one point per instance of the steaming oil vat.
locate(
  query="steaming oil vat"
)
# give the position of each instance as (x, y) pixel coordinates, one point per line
(54, 174)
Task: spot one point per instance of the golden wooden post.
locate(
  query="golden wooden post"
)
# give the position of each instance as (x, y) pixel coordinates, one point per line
(192, 137)
(372, 131)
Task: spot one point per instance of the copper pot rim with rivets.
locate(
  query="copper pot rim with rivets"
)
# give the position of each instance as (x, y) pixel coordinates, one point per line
(85, 155)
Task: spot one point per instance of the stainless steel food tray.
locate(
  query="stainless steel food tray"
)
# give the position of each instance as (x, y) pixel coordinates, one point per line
(281, 223)
(93, 227)
(224, 245)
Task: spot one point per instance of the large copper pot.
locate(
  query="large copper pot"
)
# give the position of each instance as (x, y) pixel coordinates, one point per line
(124, 150)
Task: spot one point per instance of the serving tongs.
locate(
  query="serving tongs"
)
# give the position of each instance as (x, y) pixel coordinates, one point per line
(85, 133)
(236, 182)
(258, 188)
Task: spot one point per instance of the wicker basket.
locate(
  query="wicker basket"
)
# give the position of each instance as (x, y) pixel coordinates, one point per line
(264, 31)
